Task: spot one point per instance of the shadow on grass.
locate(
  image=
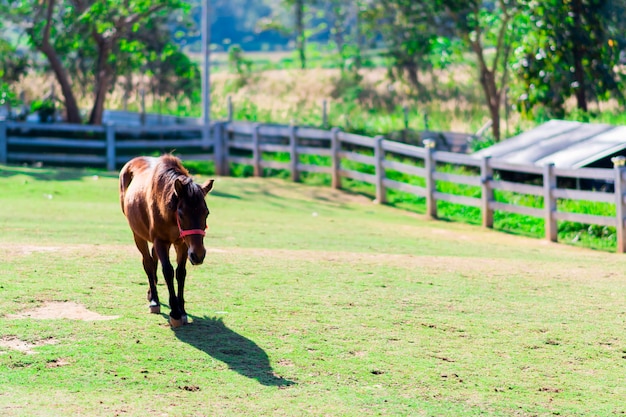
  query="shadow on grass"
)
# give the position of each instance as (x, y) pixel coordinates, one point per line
(242, 355)
(51, 173)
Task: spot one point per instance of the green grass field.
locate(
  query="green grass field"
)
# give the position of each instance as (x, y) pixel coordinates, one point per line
(310, 302)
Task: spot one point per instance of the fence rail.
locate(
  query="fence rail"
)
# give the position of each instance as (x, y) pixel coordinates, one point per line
(228, 143)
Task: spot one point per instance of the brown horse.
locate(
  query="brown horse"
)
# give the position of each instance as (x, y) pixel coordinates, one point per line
(165, 207)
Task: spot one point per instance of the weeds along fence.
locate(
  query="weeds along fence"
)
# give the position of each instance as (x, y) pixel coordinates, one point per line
(385, 165)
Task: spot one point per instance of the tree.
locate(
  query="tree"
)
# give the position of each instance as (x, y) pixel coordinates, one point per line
(409, 30)
(571, 49)
(277, 23)
(489, 24)
(62, 29)
(341, 22)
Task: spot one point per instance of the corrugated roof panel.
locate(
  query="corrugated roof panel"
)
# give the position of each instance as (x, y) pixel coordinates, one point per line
(566, 144)
(527, 139)
(541, 150)
(590, 150)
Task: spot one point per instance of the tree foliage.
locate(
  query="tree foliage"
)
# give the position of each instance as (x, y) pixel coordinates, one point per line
(87, 33)
(495, 26)
(544, 51)
(570, 50)
(411, 32)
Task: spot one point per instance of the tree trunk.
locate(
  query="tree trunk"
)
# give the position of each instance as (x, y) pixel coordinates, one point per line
(300, 41)
(492, 96)
(103, 78)
(72, 112)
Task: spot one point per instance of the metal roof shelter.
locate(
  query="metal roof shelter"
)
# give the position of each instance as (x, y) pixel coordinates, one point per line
(566, 144)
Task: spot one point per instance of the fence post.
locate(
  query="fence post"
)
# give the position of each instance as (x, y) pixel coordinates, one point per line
(620, 207)
(549, 202)
(335, 162)
(431, 187)
(294, 158)
(110, 146)
(219, 149)
(486, 175)
(379, 156)
(256, 151)
(3, 142)
(324, 114)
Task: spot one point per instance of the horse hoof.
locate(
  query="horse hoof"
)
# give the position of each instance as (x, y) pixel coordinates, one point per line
(155, 309)
(175, 323)
(184, 319)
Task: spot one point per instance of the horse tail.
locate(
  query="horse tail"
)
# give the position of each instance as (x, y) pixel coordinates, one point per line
(126, 176)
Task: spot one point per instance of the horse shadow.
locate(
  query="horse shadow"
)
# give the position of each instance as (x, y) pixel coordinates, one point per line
(242, 355)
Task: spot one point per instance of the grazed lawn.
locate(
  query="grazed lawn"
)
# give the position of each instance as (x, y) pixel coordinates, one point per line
(310, 302)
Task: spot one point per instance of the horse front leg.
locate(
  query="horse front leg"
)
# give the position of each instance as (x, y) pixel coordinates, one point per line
(162, 250)
(181, 274)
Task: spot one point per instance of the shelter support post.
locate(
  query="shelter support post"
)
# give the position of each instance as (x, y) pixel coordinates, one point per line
(549, 202)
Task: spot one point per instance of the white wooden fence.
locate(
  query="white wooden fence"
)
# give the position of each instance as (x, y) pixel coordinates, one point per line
(245, 143)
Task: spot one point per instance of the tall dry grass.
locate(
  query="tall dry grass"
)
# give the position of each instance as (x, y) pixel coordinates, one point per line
(454, 99)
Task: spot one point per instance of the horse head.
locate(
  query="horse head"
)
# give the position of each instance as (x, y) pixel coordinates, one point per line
(191, 215)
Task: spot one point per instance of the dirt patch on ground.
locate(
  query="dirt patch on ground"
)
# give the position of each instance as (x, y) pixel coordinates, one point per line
(14, 343)
(61, 310)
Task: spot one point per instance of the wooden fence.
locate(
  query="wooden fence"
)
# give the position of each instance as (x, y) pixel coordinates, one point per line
(257, 145)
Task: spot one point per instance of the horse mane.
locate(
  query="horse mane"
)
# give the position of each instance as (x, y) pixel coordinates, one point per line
(168, 171)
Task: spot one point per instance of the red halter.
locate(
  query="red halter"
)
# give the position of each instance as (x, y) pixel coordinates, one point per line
(187, 232)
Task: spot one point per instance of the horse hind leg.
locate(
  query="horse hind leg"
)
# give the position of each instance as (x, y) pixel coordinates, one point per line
(150, 264)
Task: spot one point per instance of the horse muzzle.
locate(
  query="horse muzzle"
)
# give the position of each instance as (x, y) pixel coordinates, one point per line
(196, 257)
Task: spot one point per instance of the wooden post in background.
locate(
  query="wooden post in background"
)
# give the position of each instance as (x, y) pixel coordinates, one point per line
(379, 156)
(619, 163)
(206, 135)
(142, 104)
(3, 142)
(335, 162)
(405, 131)
(229, 108)
(549, 203)
(110, 146)
(486, 175)
(256, 151)
(220, 150)
(431, 187)
(324, 114)
(294, 158)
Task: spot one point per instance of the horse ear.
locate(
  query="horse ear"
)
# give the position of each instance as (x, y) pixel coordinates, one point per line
(179, 187)
(207, 186)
